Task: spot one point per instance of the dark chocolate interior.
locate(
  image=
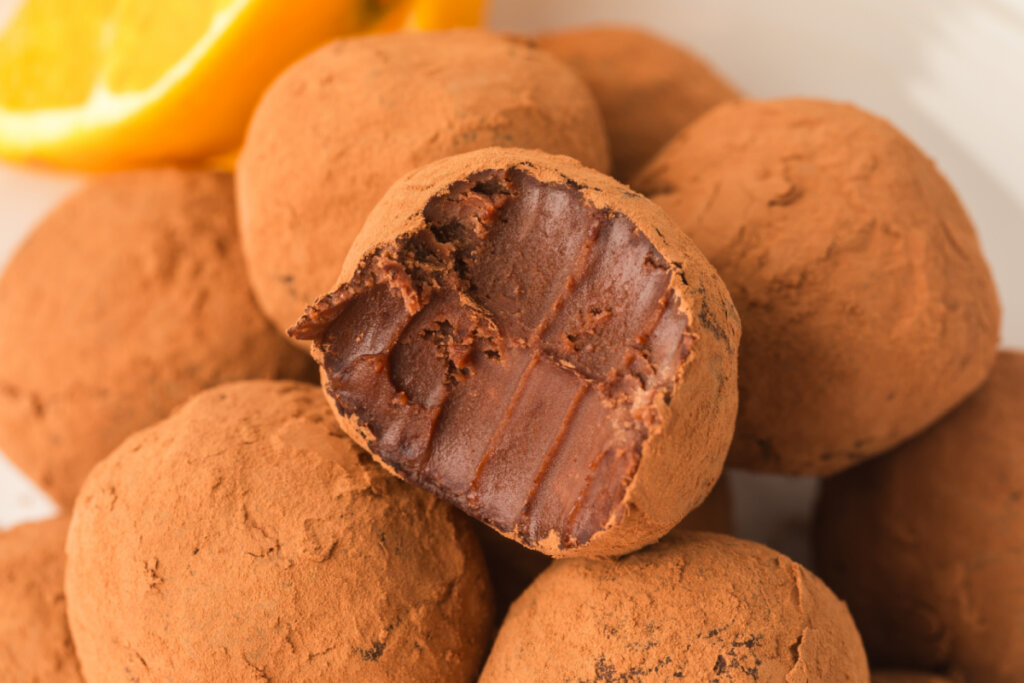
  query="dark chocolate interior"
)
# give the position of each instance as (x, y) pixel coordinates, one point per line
(507, 357)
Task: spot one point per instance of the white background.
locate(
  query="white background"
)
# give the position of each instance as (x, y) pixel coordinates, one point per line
(948, 72)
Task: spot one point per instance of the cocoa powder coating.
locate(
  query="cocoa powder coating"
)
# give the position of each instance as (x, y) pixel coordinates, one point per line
(125, 301)
(647, 88)
(869, 310)
(702, 607)
(35, 644)
(536, 343)
(341, 125)
(245, 538)
(927, 543)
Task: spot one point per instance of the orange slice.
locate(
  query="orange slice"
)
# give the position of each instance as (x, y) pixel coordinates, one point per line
(101, 84)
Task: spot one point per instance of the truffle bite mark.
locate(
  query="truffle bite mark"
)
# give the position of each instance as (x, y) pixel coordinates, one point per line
(509, 356)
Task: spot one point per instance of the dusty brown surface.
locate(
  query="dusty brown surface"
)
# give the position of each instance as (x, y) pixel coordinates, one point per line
(244, 538)
(35, 644)
(868, 309)
(647, 88)
(341, 125)
(533, 341)
(702, 607)
(124, 302)
(927, 543)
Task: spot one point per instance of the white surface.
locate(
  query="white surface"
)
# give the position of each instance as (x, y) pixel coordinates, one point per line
(948, 72)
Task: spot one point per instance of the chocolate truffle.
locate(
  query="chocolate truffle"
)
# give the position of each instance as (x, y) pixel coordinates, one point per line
(341, 125)
(868, 308)
(35, 644)
(893, 676)
(703, 607)
(927, 543)
(513, 567)
(246, 539)
(647, 88)
(536, 343)
(124, 302)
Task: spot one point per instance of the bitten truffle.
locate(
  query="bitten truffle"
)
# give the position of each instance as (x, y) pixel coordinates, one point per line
(341, 125)
(35, 644)
(534, 342)
(124, 302)
(703, 607)
(245, 538)
(647, 89)
(927, 543)
(868, 309)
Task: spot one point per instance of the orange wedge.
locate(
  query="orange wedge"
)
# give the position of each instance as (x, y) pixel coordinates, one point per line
(99, 84)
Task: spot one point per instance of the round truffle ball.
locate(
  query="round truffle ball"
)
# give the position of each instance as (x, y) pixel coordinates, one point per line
(648, 89)
(868, 309)
(125, 301)
(534, 342)
(35, 644)
(702, 607)
(246, 539)
(334, 131)
(927, 543)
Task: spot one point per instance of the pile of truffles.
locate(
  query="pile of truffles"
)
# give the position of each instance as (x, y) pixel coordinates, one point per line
(531, 376)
